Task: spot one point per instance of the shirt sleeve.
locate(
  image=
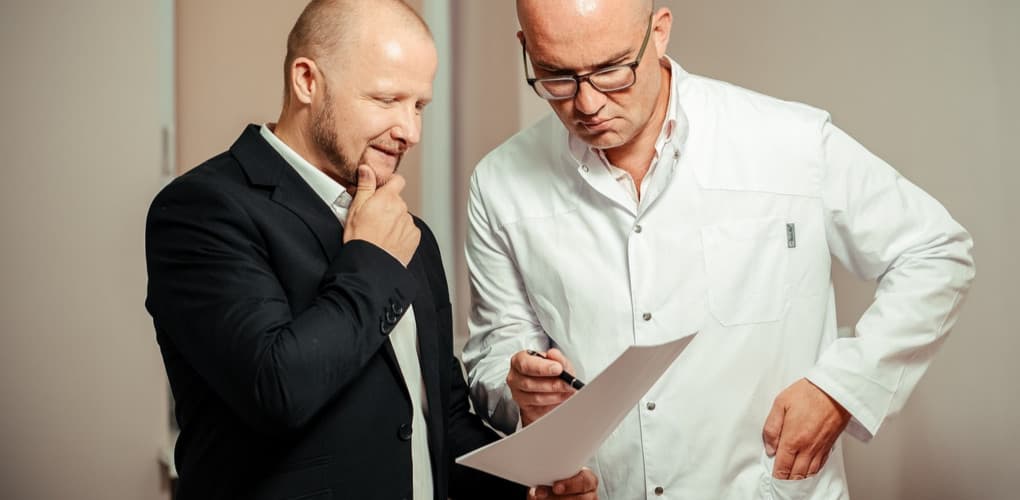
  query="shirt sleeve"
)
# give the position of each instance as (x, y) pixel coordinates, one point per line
(882, 227)
(501, 321)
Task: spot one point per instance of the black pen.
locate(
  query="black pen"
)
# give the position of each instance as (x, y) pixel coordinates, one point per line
(564, 375)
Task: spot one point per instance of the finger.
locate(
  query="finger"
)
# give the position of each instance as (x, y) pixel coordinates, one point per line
(784, 462)
(580, 496)
(534, 366)
(555, 354)
(816, 464)
(773, 427)
(366, 187)
(537, 399)
(541, 492)
(528, 383)
(582, 482)
(801, 465)
(825, 458)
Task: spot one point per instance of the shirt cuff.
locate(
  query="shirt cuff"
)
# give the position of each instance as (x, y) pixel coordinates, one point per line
(854, 393)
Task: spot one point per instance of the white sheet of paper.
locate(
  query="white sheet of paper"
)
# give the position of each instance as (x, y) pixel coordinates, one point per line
(557, 445)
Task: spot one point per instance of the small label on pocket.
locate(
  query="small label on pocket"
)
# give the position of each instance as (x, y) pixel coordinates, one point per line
(791, 236)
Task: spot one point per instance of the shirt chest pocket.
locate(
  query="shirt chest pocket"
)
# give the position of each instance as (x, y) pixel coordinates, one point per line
(746, 264)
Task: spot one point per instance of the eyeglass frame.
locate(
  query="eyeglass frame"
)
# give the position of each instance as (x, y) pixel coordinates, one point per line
(586, 77)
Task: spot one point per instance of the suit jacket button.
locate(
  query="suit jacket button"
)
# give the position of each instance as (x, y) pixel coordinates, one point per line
(385, 328)
(396, 308)
(404, 432)
(391, 318)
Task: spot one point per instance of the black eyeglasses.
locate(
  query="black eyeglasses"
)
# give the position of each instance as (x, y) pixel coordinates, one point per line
(609, 79)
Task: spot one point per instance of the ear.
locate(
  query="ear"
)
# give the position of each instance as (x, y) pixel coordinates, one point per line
(520, 37)
(662, 23)
(304, 79)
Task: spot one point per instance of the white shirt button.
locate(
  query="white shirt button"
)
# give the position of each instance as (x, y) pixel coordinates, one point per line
(637, 228)
(646, 316)
(659, 491)
(650, 405)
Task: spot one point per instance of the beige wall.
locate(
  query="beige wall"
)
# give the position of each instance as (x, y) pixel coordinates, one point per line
(230, 73)
(487, 94)
(930, 86)
(81, 380)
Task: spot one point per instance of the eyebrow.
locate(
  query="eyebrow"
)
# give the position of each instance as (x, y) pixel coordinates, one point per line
(611, 61)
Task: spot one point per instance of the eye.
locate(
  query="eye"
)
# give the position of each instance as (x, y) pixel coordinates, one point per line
(386, 100)
(420, 106)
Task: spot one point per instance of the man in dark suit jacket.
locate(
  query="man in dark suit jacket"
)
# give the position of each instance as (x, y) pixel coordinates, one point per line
(302, 313)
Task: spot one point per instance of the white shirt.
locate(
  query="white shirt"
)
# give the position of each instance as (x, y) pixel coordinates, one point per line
(404, 336)
(733, 237)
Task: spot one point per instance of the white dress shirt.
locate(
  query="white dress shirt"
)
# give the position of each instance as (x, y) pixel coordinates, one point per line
(739, 218)
(404, 336)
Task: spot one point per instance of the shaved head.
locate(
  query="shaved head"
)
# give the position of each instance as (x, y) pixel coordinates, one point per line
(532, 12)
(327, 29)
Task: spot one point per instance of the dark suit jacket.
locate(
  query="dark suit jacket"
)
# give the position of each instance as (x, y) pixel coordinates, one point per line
(275, 341)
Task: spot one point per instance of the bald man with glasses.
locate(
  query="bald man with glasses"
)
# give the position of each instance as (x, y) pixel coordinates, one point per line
(656, 203)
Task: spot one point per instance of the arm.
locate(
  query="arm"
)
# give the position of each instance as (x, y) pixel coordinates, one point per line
(214, 292)
(883, 228)
(501, 321)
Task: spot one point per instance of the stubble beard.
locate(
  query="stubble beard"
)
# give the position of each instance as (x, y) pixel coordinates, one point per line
(324, 135)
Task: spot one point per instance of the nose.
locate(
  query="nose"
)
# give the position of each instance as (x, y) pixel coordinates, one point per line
(408, 130)
(588, 100)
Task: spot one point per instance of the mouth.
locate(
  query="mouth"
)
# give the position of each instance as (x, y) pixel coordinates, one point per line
(595, 125)
(396, 153)
(390, 156)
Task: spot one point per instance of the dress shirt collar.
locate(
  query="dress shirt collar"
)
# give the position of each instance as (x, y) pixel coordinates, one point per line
(331, 191)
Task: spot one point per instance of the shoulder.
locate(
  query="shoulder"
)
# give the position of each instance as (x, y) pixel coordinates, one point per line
(526, 154)
(753, 141)
(742, 109)
(217, 177)
(213, 192)
(530, 175)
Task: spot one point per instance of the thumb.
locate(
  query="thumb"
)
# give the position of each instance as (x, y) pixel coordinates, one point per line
(366, 187)
(773, 428)
(557, 356)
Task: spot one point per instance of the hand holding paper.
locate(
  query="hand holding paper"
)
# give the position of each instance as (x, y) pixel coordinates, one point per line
(558, 445)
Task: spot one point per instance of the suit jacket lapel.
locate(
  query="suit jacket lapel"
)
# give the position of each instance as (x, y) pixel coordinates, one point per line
(265, 167)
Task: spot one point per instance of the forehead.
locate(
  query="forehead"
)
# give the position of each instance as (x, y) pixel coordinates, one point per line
(399, 62)
(574, 41)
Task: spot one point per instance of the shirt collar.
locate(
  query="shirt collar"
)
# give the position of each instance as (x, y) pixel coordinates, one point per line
(674, 127)
(331, 191)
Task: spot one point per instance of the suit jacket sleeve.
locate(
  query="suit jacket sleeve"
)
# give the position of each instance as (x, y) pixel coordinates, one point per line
(214, 293)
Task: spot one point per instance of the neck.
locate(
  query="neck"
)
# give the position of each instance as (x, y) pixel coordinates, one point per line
(636, 155)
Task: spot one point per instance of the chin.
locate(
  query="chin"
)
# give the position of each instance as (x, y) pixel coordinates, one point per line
(606, 140)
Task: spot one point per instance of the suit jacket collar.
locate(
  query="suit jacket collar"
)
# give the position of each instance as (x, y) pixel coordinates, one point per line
(264, 167)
